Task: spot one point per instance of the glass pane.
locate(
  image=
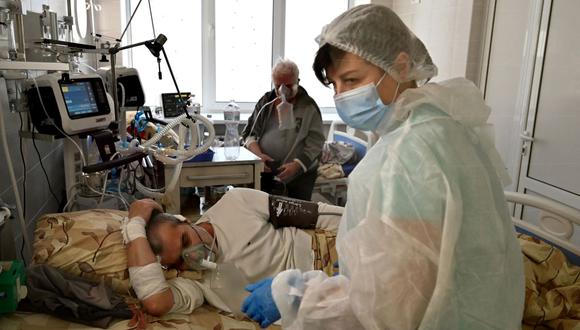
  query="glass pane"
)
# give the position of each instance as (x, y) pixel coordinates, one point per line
(243, 36)
(183, 47)
(302, 27)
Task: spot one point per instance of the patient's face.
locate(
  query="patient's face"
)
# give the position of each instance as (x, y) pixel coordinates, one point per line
(173, 239)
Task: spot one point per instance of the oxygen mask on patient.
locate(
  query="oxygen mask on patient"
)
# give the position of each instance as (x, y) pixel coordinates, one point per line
(199, 256)
(286, 109)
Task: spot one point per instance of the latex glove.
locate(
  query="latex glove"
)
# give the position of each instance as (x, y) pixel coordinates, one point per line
(143, 208)
(260, 305)
(288, 170)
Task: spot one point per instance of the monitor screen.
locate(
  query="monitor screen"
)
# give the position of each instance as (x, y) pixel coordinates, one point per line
(79, 98)
(173, 103)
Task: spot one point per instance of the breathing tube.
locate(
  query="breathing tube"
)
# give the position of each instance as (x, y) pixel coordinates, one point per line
(170, 156)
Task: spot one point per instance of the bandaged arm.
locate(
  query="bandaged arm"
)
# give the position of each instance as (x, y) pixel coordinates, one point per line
(145, 272)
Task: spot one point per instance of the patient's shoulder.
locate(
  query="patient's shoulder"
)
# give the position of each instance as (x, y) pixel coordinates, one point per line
(246, 194)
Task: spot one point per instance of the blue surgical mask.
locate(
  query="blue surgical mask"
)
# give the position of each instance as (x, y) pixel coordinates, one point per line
(362, 108)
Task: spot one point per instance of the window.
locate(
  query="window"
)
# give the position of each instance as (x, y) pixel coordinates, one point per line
(229, 46)
(302, 27)
(180, 23)
(243, 49)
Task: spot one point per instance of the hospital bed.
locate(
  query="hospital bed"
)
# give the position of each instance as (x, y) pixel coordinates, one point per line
(556, 223)
(541, 245)
(334, 190)
(551, 261)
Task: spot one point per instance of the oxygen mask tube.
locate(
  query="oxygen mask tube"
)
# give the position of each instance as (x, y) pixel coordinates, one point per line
(207, 263)
(285, 109)
(177, 156)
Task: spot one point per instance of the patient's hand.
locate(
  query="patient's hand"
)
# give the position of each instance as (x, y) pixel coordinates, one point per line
(143, 208)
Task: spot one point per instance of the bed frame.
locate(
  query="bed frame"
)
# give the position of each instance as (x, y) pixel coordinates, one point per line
(556, 225)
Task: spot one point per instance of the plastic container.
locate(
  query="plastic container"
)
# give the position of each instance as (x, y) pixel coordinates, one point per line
(12, 285)
(232, 135)
(229, 284)
(286, 116)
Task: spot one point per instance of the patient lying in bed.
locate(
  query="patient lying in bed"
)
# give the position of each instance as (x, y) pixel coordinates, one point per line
(239, 229)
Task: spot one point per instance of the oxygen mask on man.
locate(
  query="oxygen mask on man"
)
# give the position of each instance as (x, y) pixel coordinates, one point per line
(200, 256)
(285, 108)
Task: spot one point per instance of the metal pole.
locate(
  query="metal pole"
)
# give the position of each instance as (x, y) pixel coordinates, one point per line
(120, 118)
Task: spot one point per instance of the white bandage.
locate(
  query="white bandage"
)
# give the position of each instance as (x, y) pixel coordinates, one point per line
(132, 229)
(147, 280)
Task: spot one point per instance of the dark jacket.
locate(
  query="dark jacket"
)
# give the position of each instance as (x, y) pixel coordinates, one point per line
(310, 138)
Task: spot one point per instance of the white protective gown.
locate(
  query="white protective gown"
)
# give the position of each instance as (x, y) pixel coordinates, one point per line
(426, 241)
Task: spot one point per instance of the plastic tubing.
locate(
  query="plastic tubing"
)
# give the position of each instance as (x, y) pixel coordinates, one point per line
(181, 155)
(13, 181)
(165, 155)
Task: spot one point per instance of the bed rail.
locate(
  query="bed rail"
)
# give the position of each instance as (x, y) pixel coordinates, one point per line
(557, 221)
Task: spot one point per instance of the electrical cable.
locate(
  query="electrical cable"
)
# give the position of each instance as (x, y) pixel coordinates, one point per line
(23, 183)
(258, 115)
(175, 83)
(11, 175)
(42, 165)
(151, 15)
(71, 199)
(44, 169)
(130, 19)
(105, 180)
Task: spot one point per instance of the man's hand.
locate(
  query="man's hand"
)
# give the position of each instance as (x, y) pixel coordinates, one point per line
(254, 147)
(143, 208)
(266, 158)
(288, 170)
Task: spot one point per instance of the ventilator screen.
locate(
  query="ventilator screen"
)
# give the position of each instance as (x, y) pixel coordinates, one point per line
(79, 98)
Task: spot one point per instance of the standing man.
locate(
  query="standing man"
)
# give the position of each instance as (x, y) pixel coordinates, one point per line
(290, 154)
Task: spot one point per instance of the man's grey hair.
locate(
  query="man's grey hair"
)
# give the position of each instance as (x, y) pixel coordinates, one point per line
(156, 219)
(285, 67)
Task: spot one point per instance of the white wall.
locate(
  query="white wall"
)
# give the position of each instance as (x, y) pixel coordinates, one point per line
(452, 31)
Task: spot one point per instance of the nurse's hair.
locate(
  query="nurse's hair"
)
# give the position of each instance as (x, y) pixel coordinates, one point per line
(285, 67)
(327, 56)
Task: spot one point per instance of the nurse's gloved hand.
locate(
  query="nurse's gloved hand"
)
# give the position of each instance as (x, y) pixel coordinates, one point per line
(260, 305)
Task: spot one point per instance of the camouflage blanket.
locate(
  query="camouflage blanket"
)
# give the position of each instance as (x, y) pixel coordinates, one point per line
(552, 287)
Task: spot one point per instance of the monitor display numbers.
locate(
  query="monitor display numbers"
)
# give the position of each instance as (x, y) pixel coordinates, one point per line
(173, 103)
(79, 98)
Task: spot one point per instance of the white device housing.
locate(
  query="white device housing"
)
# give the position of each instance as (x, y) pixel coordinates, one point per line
(130, 89)
(77, 122)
